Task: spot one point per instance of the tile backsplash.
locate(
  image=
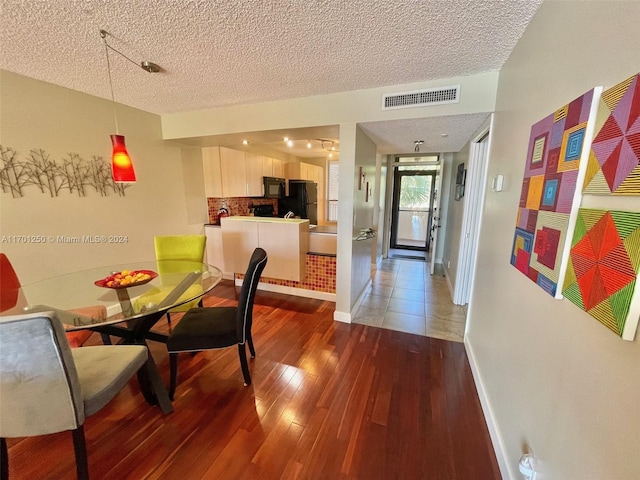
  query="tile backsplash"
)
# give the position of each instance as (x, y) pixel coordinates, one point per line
(236, 206)
(321, 275)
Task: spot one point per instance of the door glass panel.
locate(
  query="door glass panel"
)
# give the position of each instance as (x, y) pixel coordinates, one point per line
(413, 210)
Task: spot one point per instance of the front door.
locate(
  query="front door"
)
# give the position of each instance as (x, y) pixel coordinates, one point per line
(411, 217)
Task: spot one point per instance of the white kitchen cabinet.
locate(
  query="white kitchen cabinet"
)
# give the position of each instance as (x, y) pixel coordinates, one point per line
(215, 255)
(285, 241)
(212, 171)
(267, 167)
(255, 172)
(278, 168)
(233, 172)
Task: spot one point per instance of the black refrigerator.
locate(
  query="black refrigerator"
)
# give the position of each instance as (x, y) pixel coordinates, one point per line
(302, 200)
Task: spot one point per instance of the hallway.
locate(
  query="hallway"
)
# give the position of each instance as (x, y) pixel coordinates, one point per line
(403, 296)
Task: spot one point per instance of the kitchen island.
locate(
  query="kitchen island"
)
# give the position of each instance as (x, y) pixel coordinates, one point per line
(319, 280)
(286, 241)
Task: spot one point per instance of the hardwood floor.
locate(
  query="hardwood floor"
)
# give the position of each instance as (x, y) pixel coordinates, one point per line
(328, 401)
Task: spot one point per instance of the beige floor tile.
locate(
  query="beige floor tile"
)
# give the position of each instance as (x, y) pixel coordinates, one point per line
(375, 301)
(367, 319)
(409, 307)
(381, 290)
(410, 283)
(404, 323)
(406, 294)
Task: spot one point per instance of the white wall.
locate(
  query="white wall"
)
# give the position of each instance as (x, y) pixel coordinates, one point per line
(556, 381)
(353, 269)
(477, 95)
(455, 211)
(446, 167)
(38, 115)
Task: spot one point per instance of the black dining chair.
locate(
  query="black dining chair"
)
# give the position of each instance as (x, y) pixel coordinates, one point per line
(48, 387)
(219, 327)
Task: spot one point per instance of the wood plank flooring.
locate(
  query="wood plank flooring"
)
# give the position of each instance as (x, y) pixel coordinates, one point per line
(328, 401)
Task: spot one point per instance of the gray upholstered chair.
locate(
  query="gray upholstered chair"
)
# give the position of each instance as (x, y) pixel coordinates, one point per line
(219, 327)
(47, 387)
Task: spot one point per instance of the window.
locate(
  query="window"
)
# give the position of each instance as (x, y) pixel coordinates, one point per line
(332, 214)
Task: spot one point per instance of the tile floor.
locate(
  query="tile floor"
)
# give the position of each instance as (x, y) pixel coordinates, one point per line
(404, 296)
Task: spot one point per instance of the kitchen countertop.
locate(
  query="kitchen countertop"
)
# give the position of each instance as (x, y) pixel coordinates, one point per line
(289, 221)
(322, 229)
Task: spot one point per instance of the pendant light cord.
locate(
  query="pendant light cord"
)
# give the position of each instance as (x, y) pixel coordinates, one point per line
(113, 100)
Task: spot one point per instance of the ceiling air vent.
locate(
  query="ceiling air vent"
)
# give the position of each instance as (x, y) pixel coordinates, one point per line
(421, 98)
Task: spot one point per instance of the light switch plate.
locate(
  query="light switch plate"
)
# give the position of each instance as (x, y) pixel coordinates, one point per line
(497, 183)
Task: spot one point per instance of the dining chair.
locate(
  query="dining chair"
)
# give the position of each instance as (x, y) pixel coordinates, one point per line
(177, 248)
(47, 387)
(11, 296)
(219, 327)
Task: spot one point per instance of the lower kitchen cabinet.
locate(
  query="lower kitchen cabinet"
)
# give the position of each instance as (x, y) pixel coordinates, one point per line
(285, 241)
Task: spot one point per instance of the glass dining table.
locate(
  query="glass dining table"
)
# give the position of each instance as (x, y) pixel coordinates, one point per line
(135, 295)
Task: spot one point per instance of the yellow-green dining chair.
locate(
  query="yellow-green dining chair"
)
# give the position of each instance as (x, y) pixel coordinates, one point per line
(179, 251)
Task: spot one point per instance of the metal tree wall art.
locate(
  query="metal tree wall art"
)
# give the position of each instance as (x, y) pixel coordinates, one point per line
(41, 171)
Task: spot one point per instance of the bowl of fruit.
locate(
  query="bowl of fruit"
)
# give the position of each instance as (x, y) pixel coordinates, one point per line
(126, 279)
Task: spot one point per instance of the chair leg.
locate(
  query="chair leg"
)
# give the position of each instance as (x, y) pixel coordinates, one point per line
(244, 364)
(4, 459)
(106, 339)
(80, 447)
(251, 349)
(173, 365)
(169, 318)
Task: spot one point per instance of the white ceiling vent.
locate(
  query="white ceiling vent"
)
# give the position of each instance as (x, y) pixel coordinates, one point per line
(421, 98)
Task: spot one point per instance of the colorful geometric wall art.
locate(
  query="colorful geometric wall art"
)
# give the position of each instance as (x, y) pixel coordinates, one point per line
(556, 158)
(603, 268)
(614, 161)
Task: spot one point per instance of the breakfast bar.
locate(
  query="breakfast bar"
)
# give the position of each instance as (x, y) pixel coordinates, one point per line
(297, 246)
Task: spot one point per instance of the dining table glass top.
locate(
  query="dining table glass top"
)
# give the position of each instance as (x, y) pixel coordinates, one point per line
(127, 291)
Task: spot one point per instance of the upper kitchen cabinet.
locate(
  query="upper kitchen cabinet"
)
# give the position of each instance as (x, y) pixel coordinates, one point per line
(278, 168)
(272, 167)
(233, 172)
(255, 171)
(211, 169)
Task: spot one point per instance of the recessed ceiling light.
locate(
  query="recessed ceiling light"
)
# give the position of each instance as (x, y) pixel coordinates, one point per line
(290, 143)
(245, 142)
(285, 139)
(444, 135)
(308, 144)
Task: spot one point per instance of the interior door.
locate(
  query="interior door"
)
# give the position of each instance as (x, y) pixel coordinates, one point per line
(411, 216)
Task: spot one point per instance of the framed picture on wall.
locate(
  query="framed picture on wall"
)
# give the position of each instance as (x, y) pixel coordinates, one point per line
(461, 176)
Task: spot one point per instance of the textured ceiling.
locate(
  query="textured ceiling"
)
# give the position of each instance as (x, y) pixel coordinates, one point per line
(221, 52)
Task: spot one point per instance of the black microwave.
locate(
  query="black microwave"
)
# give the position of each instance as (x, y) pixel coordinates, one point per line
(274, 187)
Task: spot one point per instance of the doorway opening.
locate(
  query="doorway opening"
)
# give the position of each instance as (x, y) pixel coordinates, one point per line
(413, 205)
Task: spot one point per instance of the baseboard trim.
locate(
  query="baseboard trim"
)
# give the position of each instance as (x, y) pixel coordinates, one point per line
(494, 432)
(342, 317)
(298, 292)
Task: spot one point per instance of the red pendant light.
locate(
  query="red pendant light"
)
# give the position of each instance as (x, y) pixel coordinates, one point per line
(121, 164)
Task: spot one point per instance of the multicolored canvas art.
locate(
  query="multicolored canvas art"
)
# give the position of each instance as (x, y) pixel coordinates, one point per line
(547, 198)
(603, 268)
(614, 161)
